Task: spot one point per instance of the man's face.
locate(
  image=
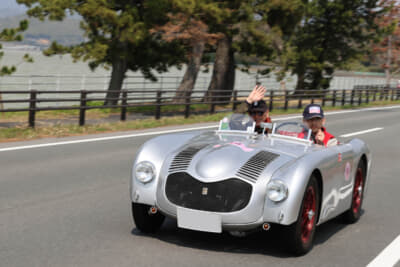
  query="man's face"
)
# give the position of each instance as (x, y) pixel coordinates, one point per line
(259, 116)
(315, 124)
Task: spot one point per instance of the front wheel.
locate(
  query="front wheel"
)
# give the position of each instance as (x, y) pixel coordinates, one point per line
(301, 233)
(146, 221)
(354, 213)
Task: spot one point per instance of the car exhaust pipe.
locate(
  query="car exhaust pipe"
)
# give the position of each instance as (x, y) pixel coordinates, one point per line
(266, 226)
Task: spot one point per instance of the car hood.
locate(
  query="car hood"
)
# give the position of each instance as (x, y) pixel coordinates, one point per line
(213, 157)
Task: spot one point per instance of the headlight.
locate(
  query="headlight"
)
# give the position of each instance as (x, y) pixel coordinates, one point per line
(277, 190)
(144, 171)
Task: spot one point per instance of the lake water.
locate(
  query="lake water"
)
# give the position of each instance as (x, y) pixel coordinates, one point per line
(61, 73)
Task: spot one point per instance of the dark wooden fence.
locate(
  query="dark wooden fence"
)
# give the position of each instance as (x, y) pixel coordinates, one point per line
(276, 99)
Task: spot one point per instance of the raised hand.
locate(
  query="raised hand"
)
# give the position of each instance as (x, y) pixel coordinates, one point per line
(257, 94)
(319, 137)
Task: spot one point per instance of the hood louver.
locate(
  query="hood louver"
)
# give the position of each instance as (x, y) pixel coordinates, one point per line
(252, 169)
(183, 158)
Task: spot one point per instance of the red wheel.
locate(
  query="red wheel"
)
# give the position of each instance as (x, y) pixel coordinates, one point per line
(301, 233)
(354, 213)
(308, 214)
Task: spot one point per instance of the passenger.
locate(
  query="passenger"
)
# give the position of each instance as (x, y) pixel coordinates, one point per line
(313, 117)
(256, 107)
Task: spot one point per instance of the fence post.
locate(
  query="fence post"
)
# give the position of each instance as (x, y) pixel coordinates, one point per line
(352, 97)
(360, 91)
(212, 108)
(82, 110)
(158, 106)
(343, 97)
(271, 100)
(300, 104)
(124, 103)
(334, 98)
(367, 92)
(234, 100)
(187, 106)
(392, 96)
(286, 100)
(32, 109)
(323, 98)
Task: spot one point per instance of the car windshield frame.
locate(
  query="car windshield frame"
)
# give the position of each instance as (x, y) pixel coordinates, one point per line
(225, 122)
(274, 134)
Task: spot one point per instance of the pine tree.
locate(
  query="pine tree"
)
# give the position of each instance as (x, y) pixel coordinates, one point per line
(9, 35)
(117, 34)
(387, 51)
(330, 34)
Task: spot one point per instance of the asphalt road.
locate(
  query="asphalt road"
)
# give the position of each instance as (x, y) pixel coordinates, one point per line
(68, 205)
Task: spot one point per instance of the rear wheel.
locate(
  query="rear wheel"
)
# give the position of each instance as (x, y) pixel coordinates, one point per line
(146, 221)
(354, 213)
(301, 233)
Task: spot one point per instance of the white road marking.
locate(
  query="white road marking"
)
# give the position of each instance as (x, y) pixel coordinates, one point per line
(362, 132)
(389, 256)
(172, 131)
(104, 138)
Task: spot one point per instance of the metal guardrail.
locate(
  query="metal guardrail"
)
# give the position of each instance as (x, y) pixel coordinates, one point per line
(276, 99)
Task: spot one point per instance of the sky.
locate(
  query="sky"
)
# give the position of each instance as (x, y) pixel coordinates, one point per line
(9, 4)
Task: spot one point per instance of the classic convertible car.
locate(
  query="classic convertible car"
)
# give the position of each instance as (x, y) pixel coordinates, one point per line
(236, 180)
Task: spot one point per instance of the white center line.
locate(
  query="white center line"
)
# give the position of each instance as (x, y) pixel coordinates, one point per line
(389, 256)
(362, 132)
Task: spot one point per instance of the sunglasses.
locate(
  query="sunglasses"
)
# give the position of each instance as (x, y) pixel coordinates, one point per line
(259, 113)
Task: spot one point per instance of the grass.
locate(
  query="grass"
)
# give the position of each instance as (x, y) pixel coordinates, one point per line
(63, 130)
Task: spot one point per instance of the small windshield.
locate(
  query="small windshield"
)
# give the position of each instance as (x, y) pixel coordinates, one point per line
(292, 129)
(237, 122)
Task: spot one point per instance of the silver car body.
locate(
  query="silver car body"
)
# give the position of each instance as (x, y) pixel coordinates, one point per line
(213, 157)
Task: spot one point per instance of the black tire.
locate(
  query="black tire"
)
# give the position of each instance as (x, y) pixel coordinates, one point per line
(145, 221)
(353, 214)
(300, 235)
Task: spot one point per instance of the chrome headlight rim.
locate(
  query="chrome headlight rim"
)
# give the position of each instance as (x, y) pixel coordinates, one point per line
(145, 172)
(277, 190)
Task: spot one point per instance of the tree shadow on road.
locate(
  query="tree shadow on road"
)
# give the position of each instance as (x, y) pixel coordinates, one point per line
(269, 243)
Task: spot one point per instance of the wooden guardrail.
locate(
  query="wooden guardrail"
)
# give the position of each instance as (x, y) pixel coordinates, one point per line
(276, 99)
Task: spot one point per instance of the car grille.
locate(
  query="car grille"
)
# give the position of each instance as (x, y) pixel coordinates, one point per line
(225, 196)
(252, 169)
(182, 159)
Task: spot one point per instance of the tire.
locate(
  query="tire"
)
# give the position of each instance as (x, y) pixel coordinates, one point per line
(300, 235)
(145, 221)
(353, 214)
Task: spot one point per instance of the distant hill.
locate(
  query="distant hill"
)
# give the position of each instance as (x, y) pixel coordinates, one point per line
(39, 33)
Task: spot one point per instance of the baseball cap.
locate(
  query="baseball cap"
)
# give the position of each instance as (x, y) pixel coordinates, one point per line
(258, 106)
(313, 111)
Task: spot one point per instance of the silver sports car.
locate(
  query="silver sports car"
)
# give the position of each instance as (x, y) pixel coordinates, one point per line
(236, 180)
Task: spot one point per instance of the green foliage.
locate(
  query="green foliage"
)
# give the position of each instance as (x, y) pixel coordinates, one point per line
(113, 31)
(9, 35)
(330, 35)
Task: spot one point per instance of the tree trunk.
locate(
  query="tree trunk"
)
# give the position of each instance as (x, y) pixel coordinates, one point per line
(189, 79)
(223, 77)
(388, 61)
(119, 68)
(300, 84)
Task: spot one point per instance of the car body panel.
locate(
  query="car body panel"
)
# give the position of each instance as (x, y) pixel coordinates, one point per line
(216, 157)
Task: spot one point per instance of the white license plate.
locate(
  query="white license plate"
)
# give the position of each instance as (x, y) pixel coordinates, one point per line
(199, 220)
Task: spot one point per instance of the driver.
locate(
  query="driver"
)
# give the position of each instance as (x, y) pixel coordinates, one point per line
(256, 107)
(313, 117)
